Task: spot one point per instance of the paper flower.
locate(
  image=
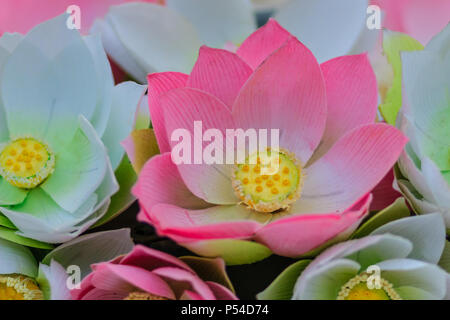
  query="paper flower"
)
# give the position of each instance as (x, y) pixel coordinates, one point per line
(397, 261)
(144, 38)
(61, 123)
(331, 152)
(23, 278)
(148, 274)
(424, 167)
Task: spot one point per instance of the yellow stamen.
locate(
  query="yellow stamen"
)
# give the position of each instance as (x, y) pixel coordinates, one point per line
(18, 287)
(143, 296)
(358, 289)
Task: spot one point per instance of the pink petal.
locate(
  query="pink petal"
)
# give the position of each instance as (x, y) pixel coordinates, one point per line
(189, 295)
(158, 84)
(150, 259)
(296, 235)
(85, 287)
(261, 43)
(160, 182)
(220, 292)
(219, 72)
(124, 278)
(220, 222)
(287, 92)
(178, 279)
(384, 194)
(352, 168)
(352, 97)
(99, 294)
(182, 107)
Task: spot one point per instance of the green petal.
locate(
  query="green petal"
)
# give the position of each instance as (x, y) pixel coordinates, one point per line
(209, 270)
(123, 199)
(5, 222)
(10, 195)
(282, 288)
(140, 146)
(234, 252)
(92, 248)
(393, 44)
(395, 211)
(16, 259)
(326, 282)
(11, 235)
(80, 169)
(426, 232)
(444, 262)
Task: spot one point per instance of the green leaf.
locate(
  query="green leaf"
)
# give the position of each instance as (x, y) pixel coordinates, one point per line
(234, 252)
(209, 269)
(282, 287)
(444, 263)
(10, 235)
(395, 211)
(393, 44)
(123, 199)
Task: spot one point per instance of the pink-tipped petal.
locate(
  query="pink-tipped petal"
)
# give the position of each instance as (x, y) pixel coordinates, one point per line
(286, 92)
(260, 44)
(85, 287)
(352, 97)
(350, 169)
(124, 278)
(220, 292)
(99, 294)
(179, 278)
(150, 259)
(184, 109)
(158, 84)
(299, 234)
(220, 73)
(220, 222)
(160, 182)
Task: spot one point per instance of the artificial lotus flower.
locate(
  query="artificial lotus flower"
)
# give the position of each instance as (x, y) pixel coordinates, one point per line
(60, 137)
(420, 19)
(397, 261)
(22, 15)
(22, 277)
(148, 274)
(144, 37)
(332, 153)
(423, 174)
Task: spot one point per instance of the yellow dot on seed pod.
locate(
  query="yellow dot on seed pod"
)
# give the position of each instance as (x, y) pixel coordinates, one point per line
(27, 160)
(259, 189)
(276, 177)
(16, 167)
(257, 169)
(38, 157)
(9, 162)
(20, 158)
(245, 168)
(269, 183)
(265, 177)
(13, 152)
(274, 191)
(29, 166)
(245, 181)
(25, 152)
(286, 182)
(32, 154)
(286, 170)
(258, 180)
(37, 147)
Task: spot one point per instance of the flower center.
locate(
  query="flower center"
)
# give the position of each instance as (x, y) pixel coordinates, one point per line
(357, 288)
(17, 287)
(26, 163)
(268, 181)
(143, 296)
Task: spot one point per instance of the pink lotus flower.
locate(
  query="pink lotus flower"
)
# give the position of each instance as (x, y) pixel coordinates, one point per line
(22, 15)
(148, 274)
(333, 151)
